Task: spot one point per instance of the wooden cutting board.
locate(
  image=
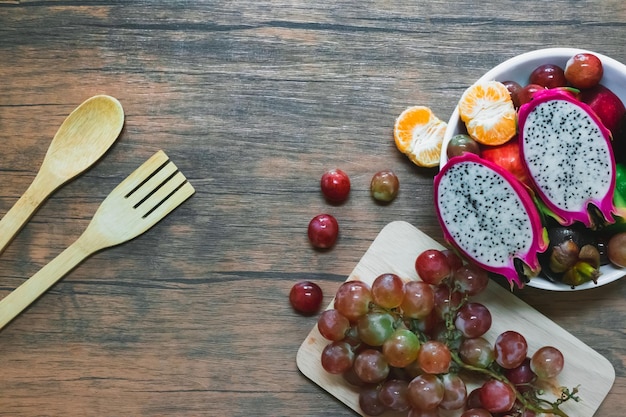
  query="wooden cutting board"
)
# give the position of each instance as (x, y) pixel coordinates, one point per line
(395, 250)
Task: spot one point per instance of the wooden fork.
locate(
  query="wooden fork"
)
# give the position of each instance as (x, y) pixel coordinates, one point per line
(146, 196)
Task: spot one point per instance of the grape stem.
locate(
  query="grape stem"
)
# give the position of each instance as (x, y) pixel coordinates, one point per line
(529, 401)
(525, 401)
(533, 403)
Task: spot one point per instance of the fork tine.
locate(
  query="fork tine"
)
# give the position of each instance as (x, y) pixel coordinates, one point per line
(152, 182)
(158, 190)
(142, 174)
(170, 201)
(142, 199)
(168, 176)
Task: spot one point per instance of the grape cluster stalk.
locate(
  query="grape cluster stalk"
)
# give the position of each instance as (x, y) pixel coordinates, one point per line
(409, 346)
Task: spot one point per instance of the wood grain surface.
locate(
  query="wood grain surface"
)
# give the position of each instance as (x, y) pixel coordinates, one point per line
(253, 101)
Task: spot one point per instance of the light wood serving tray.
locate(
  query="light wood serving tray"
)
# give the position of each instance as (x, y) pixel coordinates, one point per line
(395, 250)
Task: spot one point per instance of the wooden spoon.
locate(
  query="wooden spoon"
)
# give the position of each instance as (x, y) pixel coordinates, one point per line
(85, 135)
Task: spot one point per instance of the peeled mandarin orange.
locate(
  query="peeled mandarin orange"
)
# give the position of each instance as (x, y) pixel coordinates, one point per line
(488, 112)
(419, 134)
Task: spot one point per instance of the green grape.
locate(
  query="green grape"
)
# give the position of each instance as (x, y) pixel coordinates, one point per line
(401, 348)
(375, 327)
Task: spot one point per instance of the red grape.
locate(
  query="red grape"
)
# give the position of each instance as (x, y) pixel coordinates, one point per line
(470, 279)
(454, 260)
(353, 299)
(333, 325)
(388, 290)
(384, 186)
(306, 297)
(418, 300)
(371, 366)
(514, 89)
(527, 92)
(434, 357)
(547, 362)
(369, 402)
(473, 399)
(497, 396)
(520, 375)
(416, 412)
(511, 349)
(393, 394)
(335, 185)
(352, 336)
(323, 231)
(617, 249)
(473, 319)
(425, 392)
(476, 412)
(337, 357)
(446, 300)
(584, 70)
(352, 378)
(432, 266)
(455, 392)
(460, 144)
(548, 76)
(477, 352)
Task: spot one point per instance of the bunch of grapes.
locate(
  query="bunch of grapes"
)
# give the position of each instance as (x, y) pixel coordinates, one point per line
(410, 346)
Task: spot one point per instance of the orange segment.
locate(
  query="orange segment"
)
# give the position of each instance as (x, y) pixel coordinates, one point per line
(419, 134)
(488, 112)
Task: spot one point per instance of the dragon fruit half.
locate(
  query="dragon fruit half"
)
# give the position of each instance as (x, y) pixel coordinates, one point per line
(569, 158)
(489, 216)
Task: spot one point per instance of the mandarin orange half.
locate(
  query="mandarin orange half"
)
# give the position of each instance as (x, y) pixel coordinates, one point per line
(418, 134)
(488, 112)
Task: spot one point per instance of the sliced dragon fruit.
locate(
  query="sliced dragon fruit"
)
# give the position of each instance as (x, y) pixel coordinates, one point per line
(489, 216)
(568, 154)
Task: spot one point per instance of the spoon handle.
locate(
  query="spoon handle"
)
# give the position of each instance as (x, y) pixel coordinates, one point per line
(39, 190)
(31, 289)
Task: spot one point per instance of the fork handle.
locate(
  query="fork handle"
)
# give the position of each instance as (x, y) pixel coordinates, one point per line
(31, 289)
(42, 186)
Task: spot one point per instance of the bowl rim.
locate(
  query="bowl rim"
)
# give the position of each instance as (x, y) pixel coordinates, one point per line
(609, 273)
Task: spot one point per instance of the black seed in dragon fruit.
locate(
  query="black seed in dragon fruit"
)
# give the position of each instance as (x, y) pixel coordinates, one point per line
(568, 155)
(489, 216)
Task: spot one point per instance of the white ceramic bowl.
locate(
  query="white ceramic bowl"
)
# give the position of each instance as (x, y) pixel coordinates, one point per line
(518, 69)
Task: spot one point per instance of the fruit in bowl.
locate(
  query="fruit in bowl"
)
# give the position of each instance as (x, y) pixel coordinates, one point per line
(534, 145)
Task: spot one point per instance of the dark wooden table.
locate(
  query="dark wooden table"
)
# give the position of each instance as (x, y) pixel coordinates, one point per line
(253, 100)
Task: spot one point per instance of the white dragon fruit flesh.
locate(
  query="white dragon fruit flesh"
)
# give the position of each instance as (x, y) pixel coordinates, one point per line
(489, 216)
(568, 155)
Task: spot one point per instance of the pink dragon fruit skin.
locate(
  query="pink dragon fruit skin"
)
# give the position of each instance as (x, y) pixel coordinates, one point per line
(568, 155)
(489, 216)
